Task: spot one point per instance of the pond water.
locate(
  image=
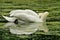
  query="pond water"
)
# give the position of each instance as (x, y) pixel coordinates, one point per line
(30, 28)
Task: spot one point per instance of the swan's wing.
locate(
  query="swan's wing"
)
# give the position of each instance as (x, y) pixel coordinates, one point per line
(16, 11)
(10, 19)
(27, 18)
(21, 22)
(26, 15)
(30, 12)
(13, 12)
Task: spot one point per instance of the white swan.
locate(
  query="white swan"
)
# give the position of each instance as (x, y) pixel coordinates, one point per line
(26, 15)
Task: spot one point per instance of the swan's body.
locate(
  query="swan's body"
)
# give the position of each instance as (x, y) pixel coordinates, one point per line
(26, 16)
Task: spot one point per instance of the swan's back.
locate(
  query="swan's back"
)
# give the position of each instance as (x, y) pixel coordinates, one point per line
(29, 12)
(14, 12)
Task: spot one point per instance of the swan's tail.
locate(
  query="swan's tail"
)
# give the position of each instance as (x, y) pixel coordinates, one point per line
(43, 16)
(10, 19)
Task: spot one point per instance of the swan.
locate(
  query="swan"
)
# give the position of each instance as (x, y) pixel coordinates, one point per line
(26, 16)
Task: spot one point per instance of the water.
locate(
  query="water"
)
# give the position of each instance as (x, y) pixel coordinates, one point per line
(28, 28)
(10, 31)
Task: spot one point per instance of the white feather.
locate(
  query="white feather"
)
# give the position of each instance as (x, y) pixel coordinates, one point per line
(10, 19)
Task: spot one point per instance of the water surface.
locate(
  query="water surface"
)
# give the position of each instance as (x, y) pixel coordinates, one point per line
(32, 28)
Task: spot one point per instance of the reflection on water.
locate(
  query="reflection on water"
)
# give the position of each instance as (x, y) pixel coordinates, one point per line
(26, 28)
